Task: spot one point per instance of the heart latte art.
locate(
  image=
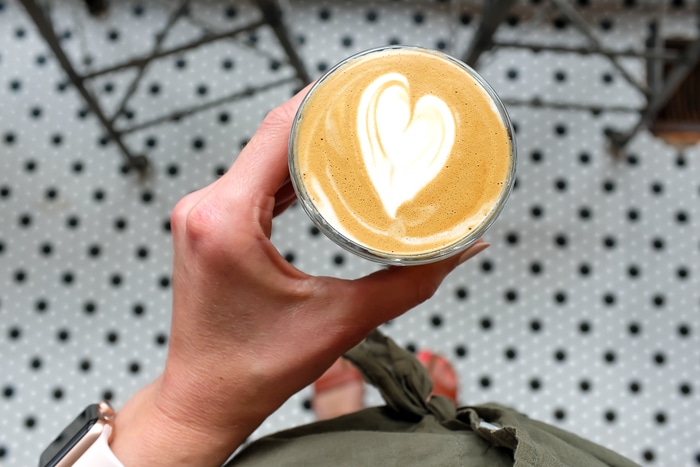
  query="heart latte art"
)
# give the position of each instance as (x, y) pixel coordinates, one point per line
(400, 151)
(404, 149)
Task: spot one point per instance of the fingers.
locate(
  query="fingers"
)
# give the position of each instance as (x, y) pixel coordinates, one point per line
(284, 197)
(262, 165)
(388, 293)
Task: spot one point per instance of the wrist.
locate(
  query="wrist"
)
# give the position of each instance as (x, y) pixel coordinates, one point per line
(156, 427)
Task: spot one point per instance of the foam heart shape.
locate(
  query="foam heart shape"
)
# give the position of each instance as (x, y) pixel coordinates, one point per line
(403, 149)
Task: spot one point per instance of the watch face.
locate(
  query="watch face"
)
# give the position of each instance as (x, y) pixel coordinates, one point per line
(70, 436)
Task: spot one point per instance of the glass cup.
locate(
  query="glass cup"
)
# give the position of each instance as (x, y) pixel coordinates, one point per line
(365, 139)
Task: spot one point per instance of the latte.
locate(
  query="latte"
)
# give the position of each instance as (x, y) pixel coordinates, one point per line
(402, 155)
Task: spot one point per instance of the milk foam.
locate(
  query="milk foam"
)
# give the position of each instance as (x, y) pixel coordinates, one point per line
(404, 149)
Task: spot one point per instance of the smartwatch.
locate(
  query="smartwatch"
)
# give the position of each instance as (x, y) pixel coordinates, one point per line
(85, 442)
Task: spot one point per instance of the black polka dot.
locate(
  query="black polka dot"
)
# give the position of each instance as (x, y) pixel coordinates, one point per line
(560, 355)
(658, 243)
(608, 186)
(659, 358)
(610, 416)
(559, 414)
(138, 309)
(660, 418)
(41, 305)
(14, 333)
(536, 268)
(511, 295)
(35, 363)
(684, 330)
(8, 392)
(306, 404)
(90, 308)
(685, 389)
(633, 271)
(535, 325)
(115, 280)
(561, 240)
(485, 382)
(461, 351)
(30, 422)
(609, 356)
(486, 323)
(560, 297)
(198, 144)
(584, 327)
(20, 276)
(535, 384)
(609, 242)
(584, 385)
(436, 321)
(658, 300)
(635, 387)
(63, 335)
(461, 293)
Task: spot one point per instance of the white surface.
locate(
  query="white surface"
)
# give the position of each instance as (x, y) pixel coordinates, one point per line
(583, 343)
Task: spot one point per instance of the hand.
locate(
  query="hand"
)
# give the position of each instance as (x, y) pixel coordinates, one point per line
(249, 329)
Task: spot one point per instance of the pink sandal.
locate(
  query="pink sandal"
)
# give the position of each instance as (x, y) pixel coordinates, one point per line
(441, 373)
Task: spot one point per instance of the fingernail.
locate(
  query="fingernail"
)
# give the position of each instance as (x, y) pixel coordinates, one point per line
(473, 250)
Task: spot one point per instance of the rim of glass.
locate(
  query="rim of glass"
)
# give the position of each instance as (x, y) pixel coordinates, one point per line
(403, 259)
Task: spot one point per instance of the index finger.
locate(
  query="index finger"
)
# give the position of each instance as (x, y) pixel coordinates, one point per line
(262, 165)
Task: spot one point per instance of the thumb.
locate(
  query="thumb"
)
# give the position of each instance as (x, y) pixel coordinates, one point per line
(386, 294)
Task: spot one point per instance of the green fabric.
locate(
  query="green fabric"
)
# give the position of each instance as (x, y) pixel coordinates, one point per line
(414, 429)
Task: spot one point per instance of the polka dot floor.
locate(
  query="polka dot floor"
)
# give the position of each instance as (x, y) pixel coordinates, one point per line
(584, 312)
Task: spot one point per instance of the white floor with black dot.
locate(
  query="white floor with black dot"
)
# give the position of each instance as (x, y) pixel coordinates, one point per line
(584, 313)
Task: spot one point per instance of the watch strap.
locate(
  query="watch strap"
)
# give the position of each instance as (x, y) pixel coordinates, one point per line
(99, 454)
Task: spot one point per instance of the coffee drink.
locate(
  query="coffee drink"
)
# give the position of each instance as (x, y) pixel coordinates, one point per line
(402, 155)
